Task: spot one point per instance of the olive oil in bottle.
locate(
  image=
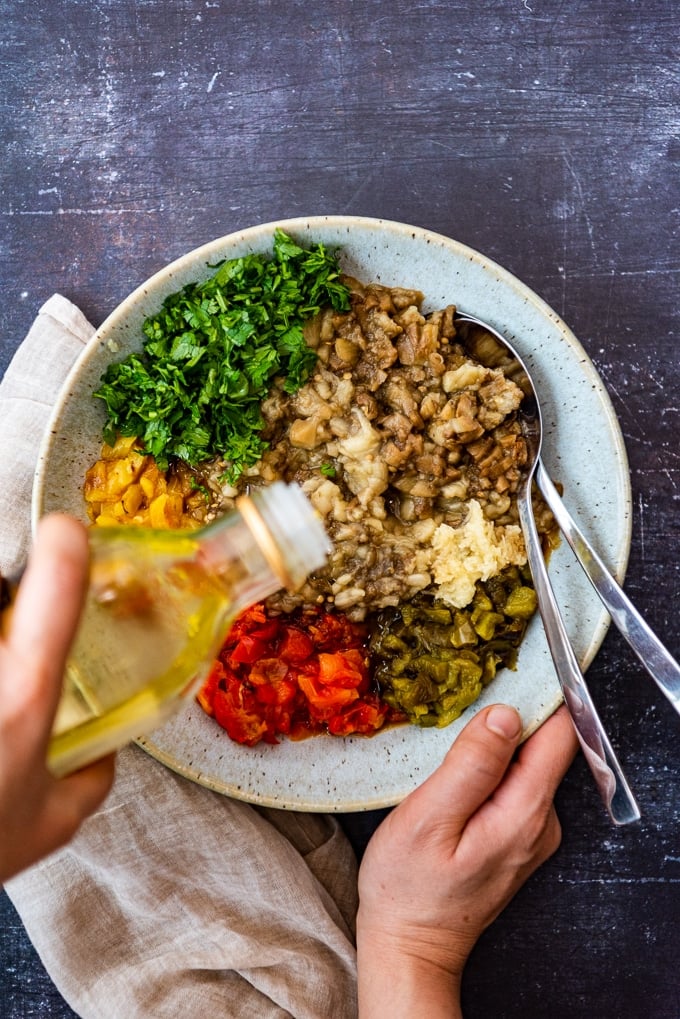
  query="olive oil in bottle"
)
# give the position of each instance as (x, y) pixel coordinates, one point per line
(158, 608)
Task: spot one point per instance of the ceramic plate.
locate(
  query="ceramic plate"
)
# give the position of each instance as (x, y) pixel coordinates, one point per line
(583, 449)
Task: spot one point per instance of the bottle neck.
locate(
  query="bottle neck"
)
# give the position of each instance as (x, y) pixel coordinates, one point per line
(232, 555)
(273, 540)
(262, 533)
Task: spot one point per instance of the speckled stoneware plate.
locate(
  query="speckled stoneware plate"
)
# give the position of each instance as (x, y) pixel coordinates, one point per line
(583, 449)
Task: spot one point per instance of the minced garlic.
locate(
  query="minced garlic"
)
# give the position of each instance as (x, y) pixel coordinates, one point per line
(476, 550)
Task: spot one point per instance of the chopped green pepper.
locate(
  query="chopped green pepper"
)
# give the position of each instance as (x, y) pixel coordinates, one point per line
(431, 661)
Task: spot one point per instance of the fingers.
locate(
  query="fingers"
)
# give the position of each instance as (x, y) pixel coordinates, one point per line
(79, 794)
(47, 607)
(54, 819)
(552, 747)
(542, 763)
(472, 770)
(526, 795)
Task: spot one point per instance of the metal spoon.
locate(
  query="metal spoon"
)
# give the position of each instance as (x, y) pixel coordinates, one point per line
(658, 661)
(599, 754)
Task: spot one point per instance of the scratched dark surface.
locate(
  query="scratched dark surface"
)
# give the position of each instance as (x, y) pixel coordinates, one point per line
(544, 134)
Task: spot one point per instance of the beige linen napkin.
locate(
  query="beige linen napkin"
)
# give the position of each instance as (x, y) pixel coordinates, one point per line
(172, 901)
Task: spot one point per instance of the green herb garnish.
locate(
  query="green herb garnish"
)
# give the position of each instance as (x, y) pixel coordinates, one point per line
(196, 486)
(328, 470)
(213, 351)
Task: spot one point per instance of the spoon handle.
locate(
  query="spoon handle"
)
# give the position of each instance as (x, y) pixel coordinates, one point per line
(609, 777)
(658, 661)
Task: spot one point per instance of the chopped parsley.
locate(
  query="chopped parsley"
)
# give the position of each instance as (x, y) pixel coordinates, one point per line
(328, 470)
(196, 486)
(212, 352)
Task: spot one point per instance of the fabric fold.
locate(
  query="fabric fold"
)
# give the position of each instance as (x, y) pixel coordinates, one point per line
(172, 900)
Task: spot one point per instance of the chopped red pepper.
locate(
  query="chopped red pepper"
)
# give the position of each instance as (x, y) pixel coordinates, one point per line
(293, 675)
(295, 646)
(325, 701)
(248, 650)
(238, 713)
(344, 668)
(366, 716)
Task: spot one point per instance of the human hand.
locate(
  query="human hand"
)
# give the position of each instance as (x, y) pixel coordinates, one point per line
(448, 859)
(39, 813)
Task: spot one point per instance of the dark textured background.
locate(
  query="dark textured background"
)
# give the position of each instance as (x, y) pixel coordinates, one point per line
(544, 134)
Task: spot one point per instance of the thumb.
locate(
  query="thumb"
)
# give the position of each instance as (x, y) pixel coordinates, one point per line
(471, 771)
